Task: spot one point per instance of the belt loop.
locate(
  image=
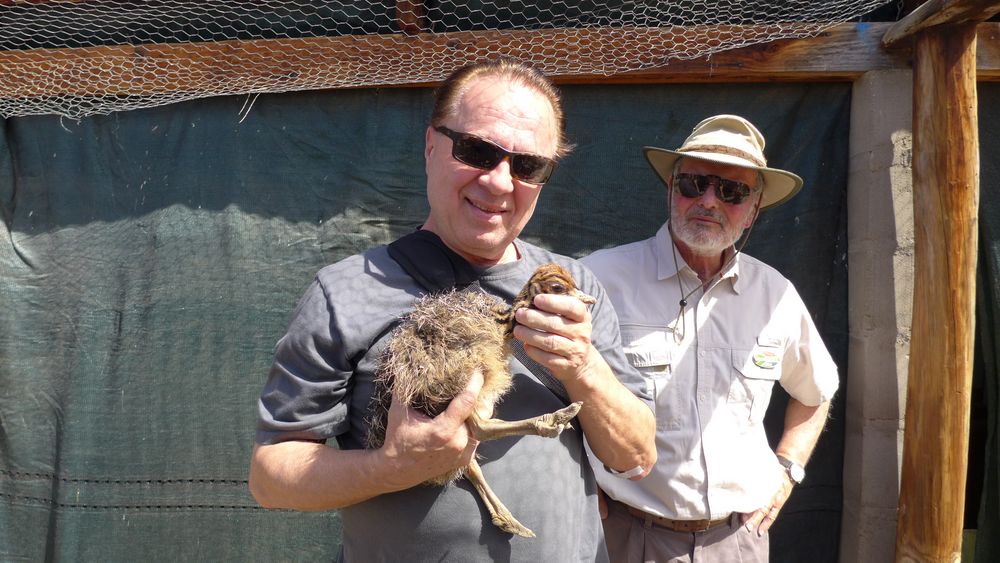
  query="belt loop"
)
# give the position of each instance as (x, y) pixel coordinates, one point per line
(647, 522)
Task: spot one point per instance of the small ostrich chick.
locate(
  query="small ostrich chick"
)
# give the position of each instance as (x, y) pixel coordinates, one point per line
(436, 349)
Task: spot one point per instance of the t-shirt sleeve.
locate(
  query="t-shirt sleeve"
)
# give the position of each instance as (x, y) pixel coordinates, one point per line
(306, 394)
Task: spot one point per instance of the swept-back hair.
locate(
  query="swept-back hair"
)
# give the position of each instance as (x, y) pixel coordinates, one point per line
(448, 96)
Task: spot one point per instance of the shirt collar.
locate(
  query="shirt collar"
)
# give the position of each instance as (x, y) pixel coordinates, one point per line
(666, 267)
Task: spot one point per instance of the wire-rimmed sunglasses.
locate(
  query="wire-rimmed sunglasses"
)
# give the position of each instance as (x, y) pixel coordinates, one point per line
(727, 191)
(482, 154)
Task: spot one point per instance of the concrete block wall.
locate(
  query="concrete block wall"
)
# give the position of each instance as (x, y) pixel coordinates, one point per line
(880, 262)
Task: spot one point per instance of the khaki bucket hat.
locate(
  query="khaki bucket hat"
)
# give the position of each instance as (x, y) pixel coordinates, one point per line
(732, 140)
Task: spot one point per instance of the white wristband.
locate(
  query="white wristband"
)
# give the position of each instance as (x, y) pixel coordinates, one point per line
(634, 472)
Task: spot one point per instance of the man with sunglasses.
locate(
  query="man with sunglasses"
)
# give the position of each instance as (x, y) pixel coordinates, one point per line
(712, 330)
(494, 138)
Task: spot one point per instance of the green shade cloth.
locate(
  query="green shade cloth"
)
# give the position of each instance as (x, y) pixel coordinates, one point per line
(984, 453)
(149, 260)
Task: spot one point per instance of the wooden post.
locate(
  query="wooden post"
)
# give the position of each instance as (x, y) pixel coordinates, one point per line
(946, 204)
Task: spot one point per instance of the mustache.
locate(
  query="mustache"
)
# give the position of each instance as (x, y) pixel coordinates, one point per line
(707, 213)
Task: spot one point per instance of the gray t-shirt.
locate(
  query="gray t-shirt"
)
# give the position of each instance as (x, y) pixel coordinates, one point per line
(321, 384)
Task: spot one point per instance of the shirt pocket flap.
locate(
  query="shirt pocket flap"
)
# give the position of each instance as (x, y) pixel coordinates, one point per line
(766, 341)
(647, 346)
(759, 363)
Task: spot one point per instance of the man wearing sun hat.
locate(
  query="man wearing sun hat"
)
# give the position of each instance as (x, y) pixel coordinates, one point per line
(712, 330)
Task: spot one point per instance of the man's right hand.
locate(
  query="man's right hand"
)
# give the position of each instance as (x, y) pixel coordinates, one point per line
(304, 475)
(419, 448)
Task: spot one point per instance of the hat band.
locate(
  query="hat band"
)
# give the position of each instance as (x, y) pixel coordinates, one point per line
(731, 151)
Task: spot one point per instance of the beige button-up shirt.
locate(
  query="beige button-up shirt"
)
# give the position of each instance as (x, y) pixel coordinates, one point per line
(711, 372)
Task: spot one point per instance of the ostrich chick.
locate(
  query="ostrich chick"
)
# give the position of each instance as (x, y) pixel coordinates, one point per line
(435, 350)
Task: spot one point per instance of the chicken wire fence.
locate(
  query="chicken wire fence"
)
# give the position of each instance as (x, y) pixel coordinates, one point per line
(84, 57)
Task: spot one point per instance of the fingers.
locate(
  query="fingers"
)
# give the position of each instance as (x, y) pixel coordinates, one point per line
(551, 332)
(545, 342)
(770, 515)
(554, 311)
(567, 359)
(762, 519)
(557, 332)
(421, 447)
(752, 521)
(602, 504)
(568, 306)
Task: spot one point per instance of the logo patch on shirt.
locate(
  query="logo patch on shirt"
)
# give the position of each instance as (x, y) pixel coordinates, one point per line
(766, 359)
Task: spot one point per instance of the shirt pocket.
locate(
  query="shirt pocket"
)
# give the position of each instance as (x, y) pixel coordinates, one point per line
(650, 349)
(754, 373)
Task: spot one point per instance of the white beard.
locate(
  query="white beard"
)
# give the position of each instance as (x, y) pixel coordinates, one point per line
(703, 240)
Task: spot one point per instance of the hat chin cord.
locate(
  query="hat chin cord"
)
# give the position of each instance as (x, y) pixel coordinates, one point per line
(681, 318)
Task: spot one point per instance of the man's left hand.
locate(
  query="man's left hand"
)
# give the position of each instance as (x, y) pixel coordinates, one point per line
(556, 334)
(762, 519)
(620, 428)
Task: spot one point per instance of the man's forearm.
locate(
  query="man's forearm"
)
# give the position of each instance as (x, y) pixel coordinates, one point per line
(803, 426)
(310, 477)
(620, 428)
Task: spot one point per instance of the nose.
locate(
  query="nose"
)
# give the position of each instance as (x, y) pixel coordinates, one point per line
(709, 200)
(498, 179)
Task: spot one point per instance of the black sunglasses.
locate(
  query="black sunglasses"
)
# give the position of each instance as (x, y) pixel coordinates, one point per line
(728, 191)
(482, 154)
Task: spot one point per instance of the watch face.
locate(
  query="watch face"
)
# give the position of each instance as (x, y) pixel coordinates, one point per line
(796, 472)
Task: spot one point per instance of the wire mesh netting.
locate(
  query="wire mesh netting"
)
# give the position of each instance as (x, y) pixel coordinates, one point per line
(77, 57)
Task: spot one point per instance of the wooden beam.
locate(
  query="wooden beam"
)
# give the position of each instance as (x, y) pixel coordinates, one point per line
(940, 12)
(840, 53)
(945, 209)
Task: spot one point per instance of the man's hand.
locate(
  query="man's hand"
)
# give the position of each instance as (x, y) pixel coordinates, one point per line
(618, 425)
(419, 448)
(762, 519)
(557, 335)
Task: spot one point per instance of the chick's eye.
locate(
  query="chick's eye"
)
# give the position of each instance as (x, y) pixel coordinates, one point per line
(557, 288)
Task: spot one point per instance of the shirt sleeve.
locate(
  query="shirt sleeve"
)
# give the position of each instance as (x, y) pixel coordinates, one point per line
(606, 338)
(809, 374)
(306, 394)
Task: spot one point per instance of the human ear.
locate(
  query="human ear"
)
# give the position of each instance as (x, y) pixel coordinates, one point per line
(428, 142)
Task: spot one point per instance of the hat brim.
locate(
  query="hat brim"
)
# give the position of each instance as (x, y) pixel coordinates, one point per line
(779, 185)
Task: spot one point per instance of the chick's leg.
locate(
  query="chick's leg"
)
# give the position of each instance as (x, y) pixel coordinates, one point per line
(501, 517)
(547, 425)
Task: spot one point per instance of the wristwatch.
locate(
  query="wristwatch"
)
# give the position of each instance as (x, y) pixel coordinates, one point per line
(795, 471)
